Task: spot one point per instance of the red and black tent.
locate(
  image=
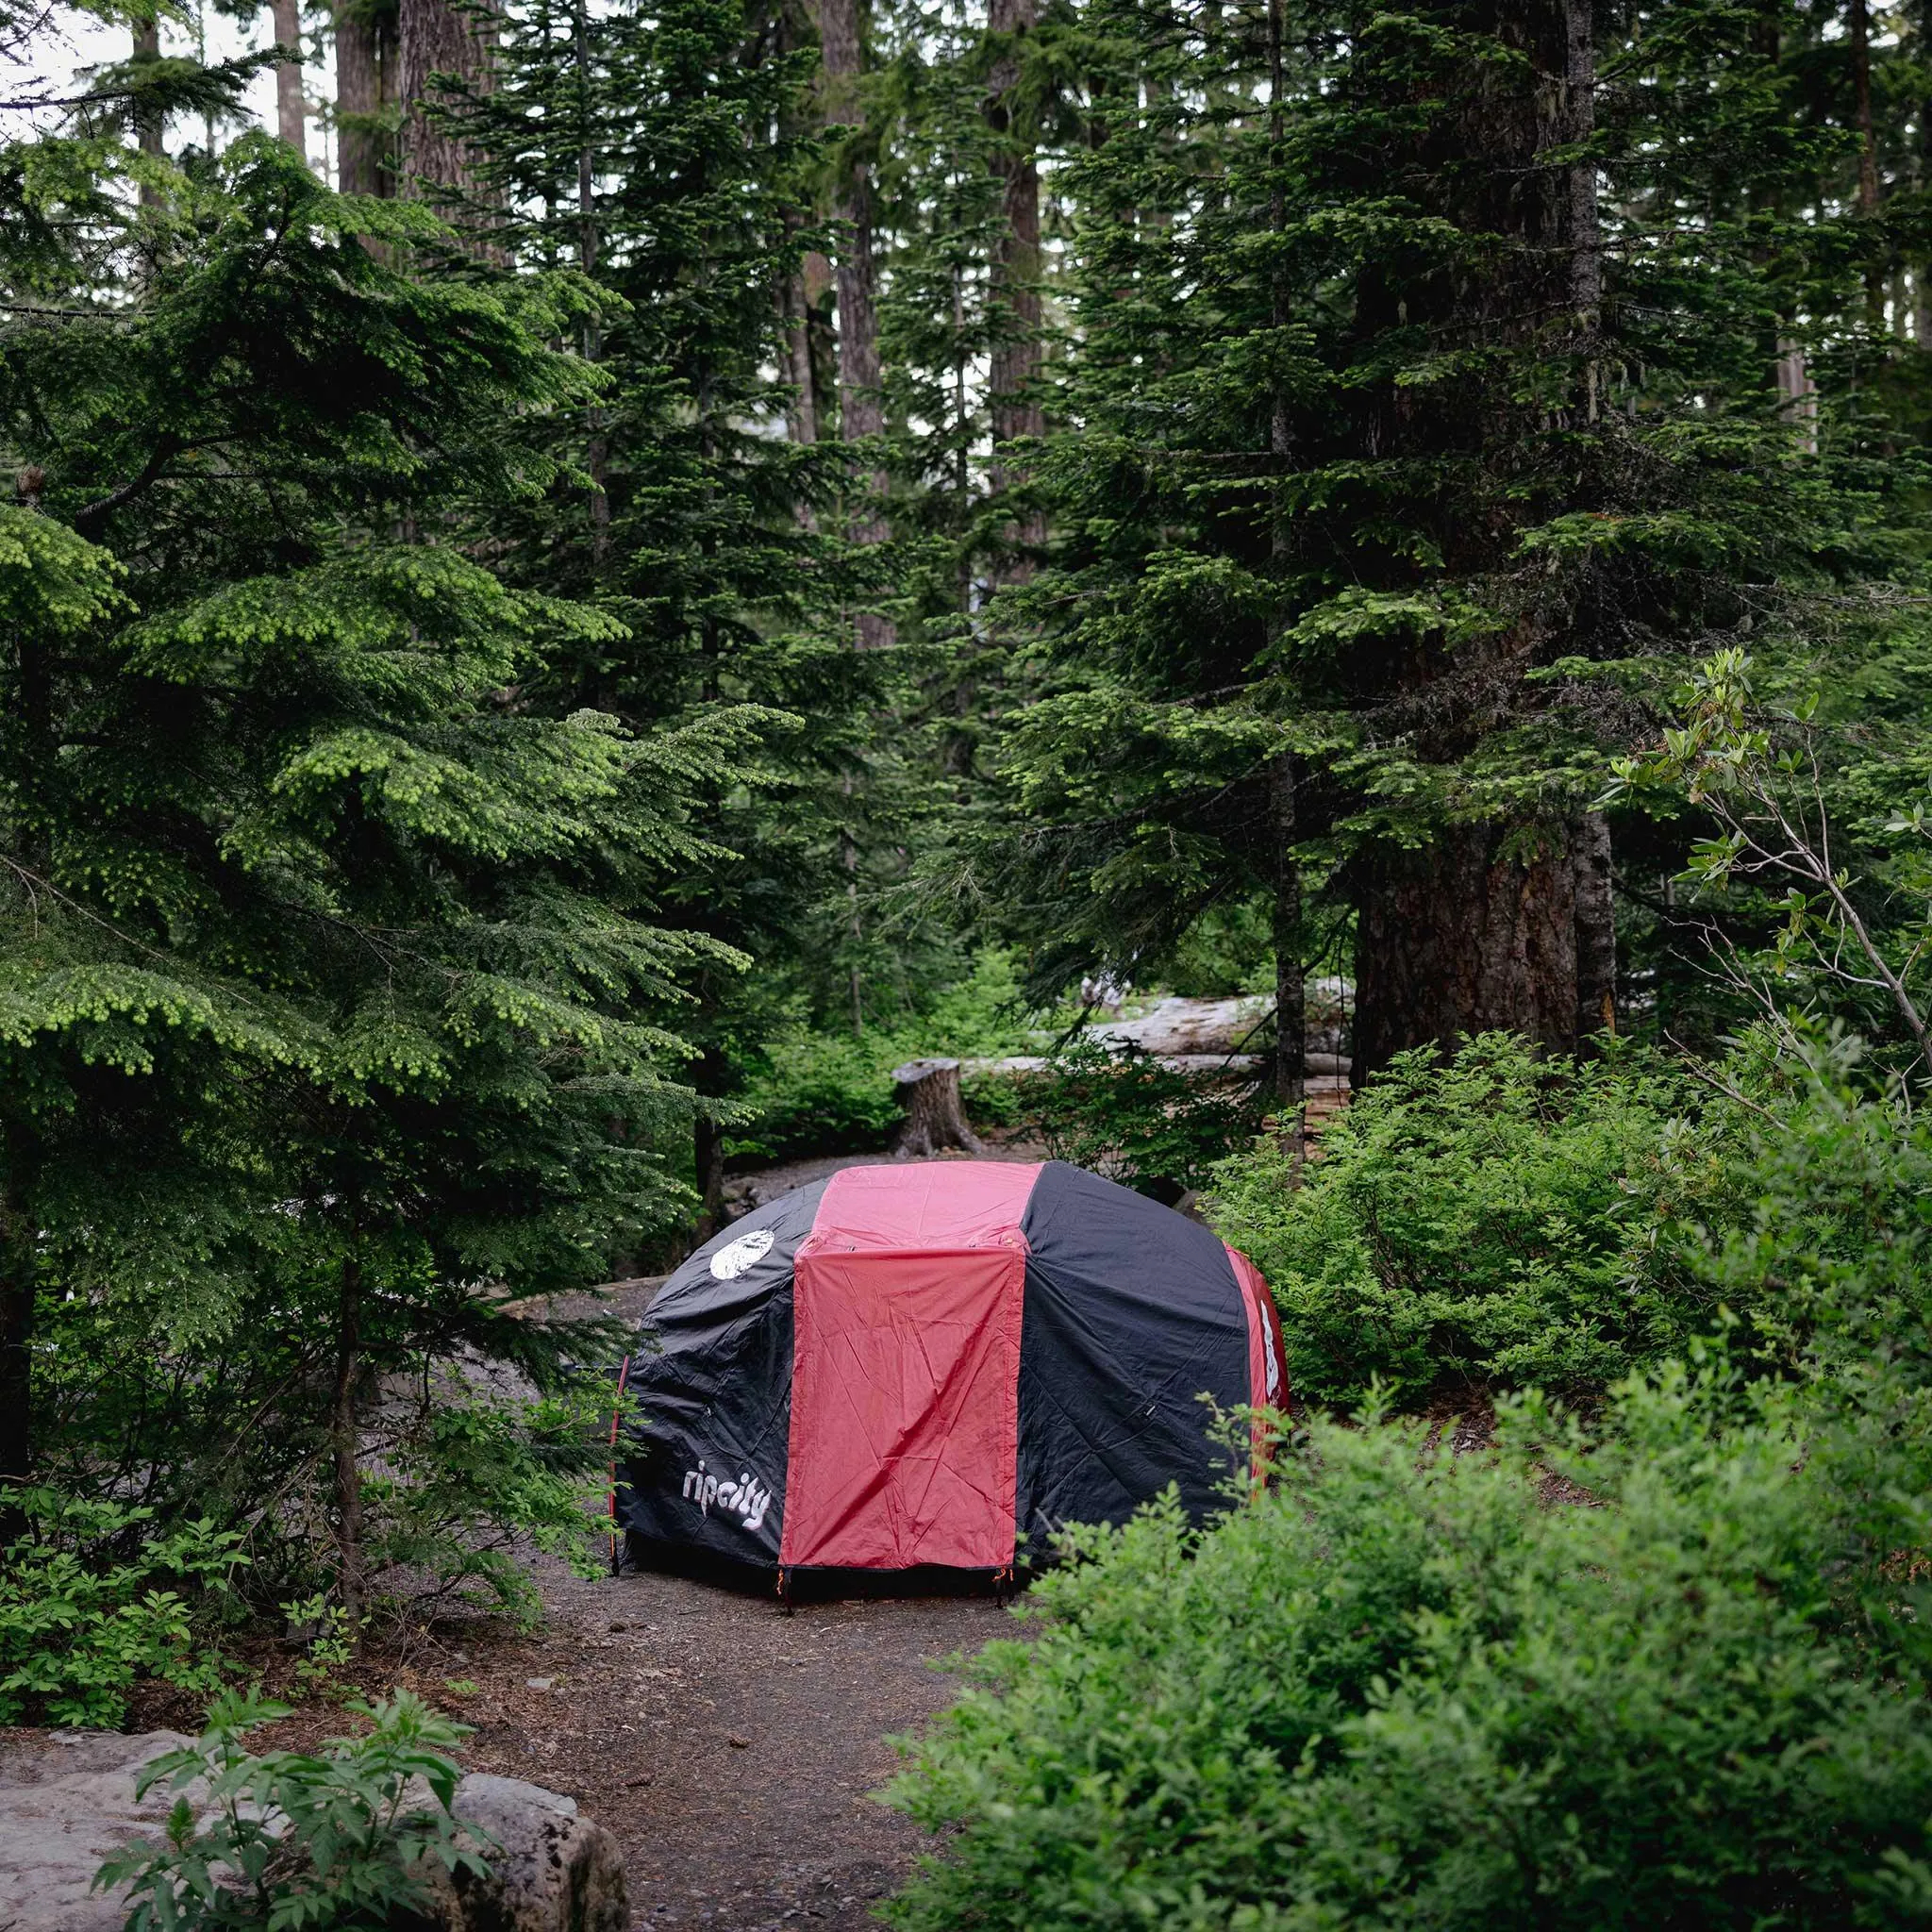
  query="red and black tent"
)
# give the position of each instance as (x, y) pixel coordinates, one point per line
(938, 1364)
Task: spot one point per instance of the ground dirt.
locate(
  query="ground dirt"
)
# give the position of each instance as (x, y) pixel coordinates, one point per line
(732, 1747)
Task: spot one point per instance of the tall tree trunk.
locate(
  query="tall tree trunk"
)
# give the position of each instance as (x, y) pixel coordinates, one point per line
(802, 418)
(1460, 938)
(1290, 994)
(596, 443)
(1922, 272)
(18, 1246)
(861, 406)
(436, 36)
(1015, 274)
(365, 68)
(1596, 927)
(1858, 32)
(796, 297)
(1585, 237)
(292, 111)
(148, 129)
(345, 1441)
(36, 809)
(1478, 930)
(708, 1149)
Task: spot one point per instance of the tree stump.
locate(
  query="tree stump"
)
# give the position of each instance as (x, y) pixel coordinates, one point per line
(935, 1116)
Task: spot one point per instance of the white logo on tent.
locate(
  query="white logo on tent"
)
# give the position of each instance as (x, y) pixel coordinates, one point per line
(732, 1262)
(747, 1498)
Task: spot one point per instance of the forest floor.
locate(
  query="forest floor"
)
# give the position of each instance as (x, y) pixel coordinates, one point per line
(731, 1748)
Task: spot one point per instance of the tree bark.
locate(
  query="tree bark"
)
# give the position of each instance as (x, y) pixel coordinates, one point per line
(1291, 992)
(1596, 928)
(935, 1115)
(148, 130)
(596, 442)
(1921, 280)
(436, 36)
(365, 72)
(345, 1443)
(1461, 938)
(1478, 930)
(795, 301)
(801, 417)
(292, 111)
(1586, 241)
(1015, 275)
(707, 1151)
(861, 403)
(1858, 32)
(18, 1241)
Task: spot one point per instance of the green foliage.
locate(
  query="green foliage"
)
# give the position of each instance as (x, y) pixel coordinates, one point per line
(1490, 1223)
(1686, 1683)
(1404, 1689)
(324, 1628)
(293, 1842)
(1120, 1111)
(822, 1090)
(92, 1600)
(480, 1480)
(1814, 869)
(331, 987)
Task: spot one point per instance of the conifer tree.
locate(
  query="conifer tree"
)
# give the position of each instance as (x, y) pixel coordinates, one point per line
(279, 829)
(663, 154)
(1406, 391)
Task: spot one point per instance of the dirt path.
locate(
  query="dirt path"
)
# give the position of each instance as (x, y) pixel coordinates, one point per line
(730, 1748)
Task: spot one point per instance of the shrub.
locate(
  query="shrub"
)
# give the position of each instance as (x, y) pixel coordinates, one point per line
(229, 1426)
(1127, 1114)
(1498, 1221)
(1404, 1691)
(88, 1608)
(830, 1091)
(332, 1843)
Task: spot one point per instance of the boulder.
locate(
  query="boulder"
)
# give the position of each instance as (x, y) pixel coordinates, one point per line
(67, 1801)
(554, 1871)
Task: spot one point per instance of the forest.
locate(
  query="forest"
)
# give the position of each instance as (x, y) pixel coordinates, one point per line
(622, 568)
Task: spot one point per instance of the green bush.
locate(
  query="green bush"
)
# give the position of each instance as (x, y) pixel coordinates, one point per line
(88, 1608)
(1499, 1220)
(1404, 1691)
(1121, 1112)
(342, 1842)
(228, 1425)
(828, 1090)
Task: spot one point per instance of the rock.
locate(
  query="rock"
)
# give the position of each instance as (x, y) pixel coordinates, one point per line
(553, 1872)
(66, 1801)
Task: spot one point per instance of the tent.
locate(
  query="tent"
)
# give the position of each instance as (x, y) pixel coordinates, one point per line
(938, 1364)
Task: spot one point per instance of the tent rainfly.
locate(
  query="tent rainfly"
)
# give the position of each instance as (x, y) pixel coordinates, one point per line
(938, 1364)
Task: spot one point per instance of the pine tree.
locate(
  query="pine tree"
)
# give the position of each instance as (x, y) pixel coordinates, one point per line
(664, 154)
(1407, 391)
(282, 836)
